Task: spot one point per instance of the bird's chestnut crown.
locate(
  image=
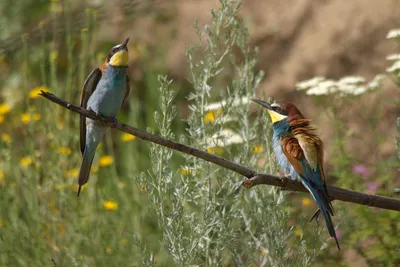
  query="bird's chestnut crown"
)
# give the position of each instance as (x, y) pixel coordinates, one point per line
(118, 55)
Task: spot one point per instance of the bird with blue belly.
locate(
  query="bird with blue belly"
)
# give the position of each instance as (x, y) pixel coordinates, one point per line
(299, 152)
(104, 91)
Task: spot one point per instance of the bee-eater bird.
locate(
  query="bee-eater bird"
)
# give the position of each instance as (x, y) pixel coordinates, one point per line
(104, 91)
(299, 152)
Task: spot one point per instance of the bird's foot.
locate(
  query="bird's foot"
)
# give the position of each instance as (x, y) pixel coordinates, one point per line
(105, 119)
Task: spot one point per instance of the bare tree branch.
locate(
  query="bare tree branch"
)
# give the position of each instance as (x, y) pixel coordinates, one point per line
(253, 178)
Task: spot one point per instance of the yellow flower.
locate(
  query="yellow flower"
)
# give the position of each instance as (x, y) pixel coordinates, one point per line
(105, 161)
(258, 149)
(25, 161)
(124, 241)
(25, 118)
(121, 185)
(34, 93)
(53, 55)
(64, 150)
(184, 171)
(212, 115)
(108, 249)
(143, 187)
(61, 186)
(215, 150)
(110, 205)
(4, 109)
(298, 232)
(36, 116)
(95, 169)
(72, 173)
(125, 137)
(5, 137)
(306, 201)
(84, 29)
(1, 177)
(1, 119)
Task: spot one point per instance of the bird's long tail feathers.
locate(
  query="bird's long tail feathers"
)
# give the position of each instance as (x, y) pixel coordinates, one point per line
(321, 197)
(86, 165)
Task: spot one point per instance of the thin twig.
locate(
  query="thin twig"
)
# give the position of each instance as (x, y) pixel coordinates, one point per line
(253, 178)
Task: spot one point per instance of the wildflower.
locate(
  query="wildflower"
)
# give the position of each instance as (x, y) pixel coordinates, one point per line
(352, 80)
(105, 161)
(306, 201)
(1, 119)
(95, 169)
(61, 186)
(72, 173)
(36, 116)
(25, 118)
(393, 34)
(25, 161)
(4, 109)
(108, 250)
(258, 149)
(84, 30)
(34, 93)
(220, 105)
(125, 137)
(53, 55)
(304, 85)
(121, 185)
(143, 187)
(184, 171)
(361, 170)
(1, 177)
(264, 251)
(372, 187)
(323, 88)
(211, 116)
(224, 138)
(110, 205)
(5, 137)
(64, 151)
(124, 241)
(395, 67)
(215, 150)
(298, 232)
(393, 57)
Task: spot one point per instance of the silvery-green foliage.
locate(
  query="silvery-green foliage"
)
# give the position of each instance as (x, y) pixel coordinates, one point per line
(206, 217)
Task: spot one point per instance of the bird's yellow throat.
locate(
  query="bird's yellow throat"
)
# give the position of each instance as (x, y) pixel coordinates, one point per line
(120, 58)
(276, 116)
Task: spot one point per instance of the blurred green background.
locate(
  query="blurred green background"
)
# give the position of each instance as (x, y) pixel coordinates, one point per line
(118, 220)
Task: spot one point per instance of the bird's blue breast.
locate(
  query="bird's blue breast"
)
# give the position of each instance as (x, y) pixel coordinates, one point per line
(282, 129)
(110, 92)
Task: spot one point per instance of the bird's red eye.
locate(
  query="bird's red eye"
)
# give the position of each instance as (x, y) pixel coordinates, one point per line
(278, 109)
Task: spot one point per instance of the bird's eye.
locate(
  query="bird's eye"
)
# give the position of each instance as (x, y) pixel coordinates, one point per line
(278, 109)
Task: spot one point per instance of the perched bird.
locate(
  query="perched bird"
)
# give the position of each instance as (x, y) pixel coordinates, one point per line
(104, 91)
(299, 152)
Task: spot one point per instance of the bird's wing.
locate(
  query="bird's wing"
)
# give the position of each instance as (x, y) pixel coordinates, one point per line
(293, 152)
(87, 90)
(127, 89)
(313, 151)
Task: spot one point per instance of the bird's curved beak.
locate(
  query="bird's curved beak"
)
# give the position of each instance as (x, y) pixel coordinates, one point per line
(262, 103)
(124, 44)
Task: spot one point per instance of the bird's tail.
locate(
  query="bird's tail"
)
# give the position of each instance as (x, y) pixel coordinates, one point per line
(86, 165)
(320, 196)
